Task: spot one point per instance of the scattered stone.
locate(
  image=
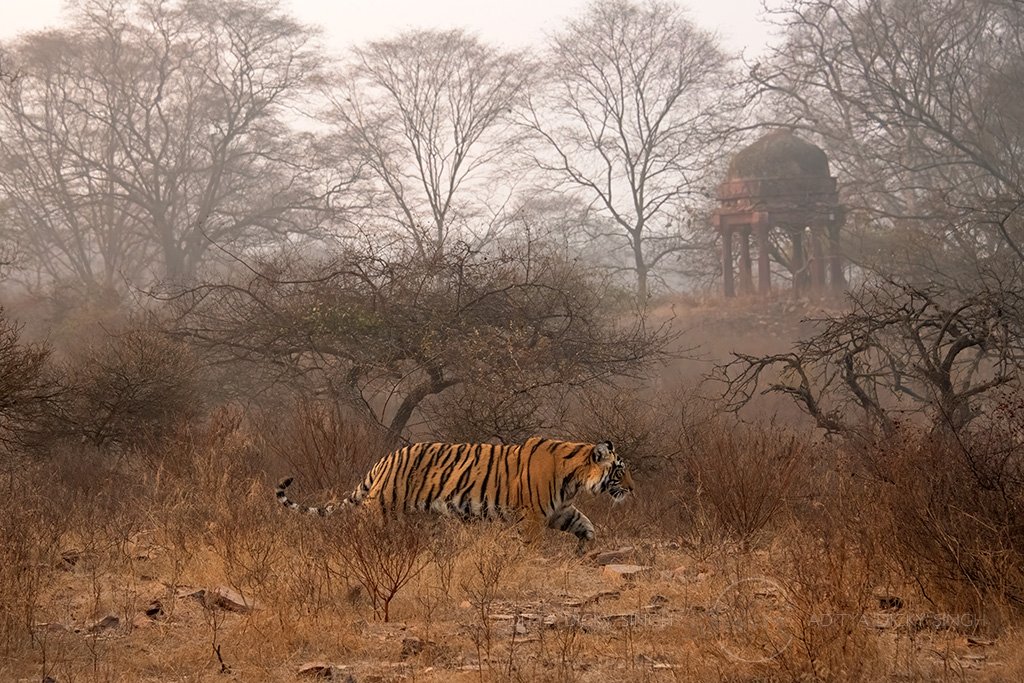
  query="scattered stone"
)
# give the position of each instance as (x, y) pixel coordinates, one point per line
(973, 661)
(769, 590)
(878, 624)
(628, 618)
(929, 622)
(892, 602)
(221, 597)
(411, 646)
(592, 599)
(501, 617)
(626, 571)
(973, 641)
(228, 599)
(658, 601)
(142, 622)
(70, 557)
(155, 610)
(105, 624)
(652, 662)
(190, 592)
(51, 626)
(465, 604)
(319, 670)
(534, 617)
(612, 556)
(687, 574)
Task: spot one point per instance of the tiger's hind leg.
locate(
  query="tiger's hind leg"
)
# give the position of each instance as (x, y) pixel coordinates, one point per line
(571, 520)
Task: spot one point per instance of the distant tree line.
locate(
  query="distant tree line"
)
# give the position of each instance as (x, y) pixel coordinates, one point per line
(148, 142)
(344, 218)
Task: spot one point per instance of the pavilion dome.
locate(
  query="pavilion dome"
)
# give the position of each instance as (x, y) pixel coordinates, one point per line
(779, 154)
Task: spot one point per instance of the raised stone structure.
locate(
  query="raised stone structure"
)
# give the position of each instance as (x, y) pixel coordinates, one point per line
(780, 184)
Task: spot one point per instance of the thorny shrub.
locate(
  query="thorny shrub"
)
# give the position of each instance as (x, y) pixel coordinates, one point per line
(954, 506)
(28, 390)
(745, 476)
(383, 553)
(324, 442)
(135, 386)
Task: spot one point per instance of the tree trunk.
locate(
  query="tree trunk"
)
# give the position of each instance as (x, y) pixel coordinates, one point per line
(642, 291)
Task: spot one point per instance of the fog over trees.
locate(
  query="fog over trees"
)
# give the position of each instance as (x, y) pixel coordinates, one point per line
(634, 114)
(144, 134)
(231, 253)
(361, 217)
(914, 103)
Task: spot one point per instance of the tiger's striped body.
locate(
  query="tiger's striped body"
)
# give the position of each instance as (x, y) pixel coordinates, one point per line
(541, 477)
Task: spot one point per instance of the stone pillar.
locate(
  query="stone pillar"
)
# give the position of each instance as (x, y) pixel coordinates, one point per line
(817, 259)
(798, 264)
(835, 259)
(730, 289)
(746, 277)
(764, 264)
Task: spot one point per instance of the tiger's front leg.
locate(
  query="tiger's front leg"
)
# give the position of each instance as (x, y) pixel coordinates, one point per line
(573, 521)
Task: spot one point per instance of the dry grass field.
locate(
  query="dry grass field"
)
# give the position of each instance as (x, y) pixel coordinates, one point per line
(750, 552)
(751, 562)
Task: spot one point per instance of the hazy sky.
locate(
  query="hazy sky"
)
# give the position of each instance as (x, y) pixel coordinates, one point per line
(515, 24)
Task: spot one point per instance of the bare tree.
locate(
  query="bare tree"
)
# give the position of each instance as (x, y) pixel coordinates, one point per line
(148, 131)
(917, 102)
(633, 117)
(901, 351)
(29, 391)
(427, 113)
(391, 335)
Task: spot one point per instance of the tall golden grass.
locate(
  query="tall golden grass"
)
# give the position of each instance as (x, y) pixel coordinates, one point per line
(771, 555)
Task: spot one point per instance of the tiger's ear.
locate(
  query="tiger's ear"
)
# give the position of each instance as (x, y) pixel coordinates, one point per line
(601, 452)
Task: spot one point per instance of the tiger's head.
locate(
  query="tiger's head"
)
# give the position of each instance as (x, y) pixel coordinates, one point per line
(610, 474)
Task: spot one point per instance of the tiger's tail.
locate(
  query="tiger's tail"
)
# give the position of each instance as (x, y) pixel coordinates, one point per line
(283, 499)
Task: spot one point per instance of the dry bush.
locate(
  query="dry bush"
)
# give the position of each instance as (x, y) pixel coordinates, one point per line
(954, 507)
(28, 392)
(132, 387)
(745, 476)
(490, 565)
(491, 407)
(646, 427)
(448, 542)
(30, 535)
(250, 554)
(382, 553)
(202, 461)
(394, 332)
(828, 591)
(831, 569)
(649, 431)
(323, 443)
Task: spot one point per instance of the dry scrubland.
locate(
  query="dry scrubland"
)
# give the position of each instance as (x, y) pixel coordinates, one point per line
(766, 554)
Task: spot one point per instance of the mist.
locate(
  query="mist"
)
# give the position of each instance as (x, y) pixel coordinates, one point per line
(762, 271)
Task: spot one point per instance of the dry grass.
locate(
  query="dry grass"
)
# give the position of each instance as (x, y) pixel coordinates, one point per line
(778, 571)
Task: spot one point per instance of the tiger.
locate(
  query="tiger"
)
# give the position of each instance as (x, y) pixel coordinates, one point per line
(540, 477)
